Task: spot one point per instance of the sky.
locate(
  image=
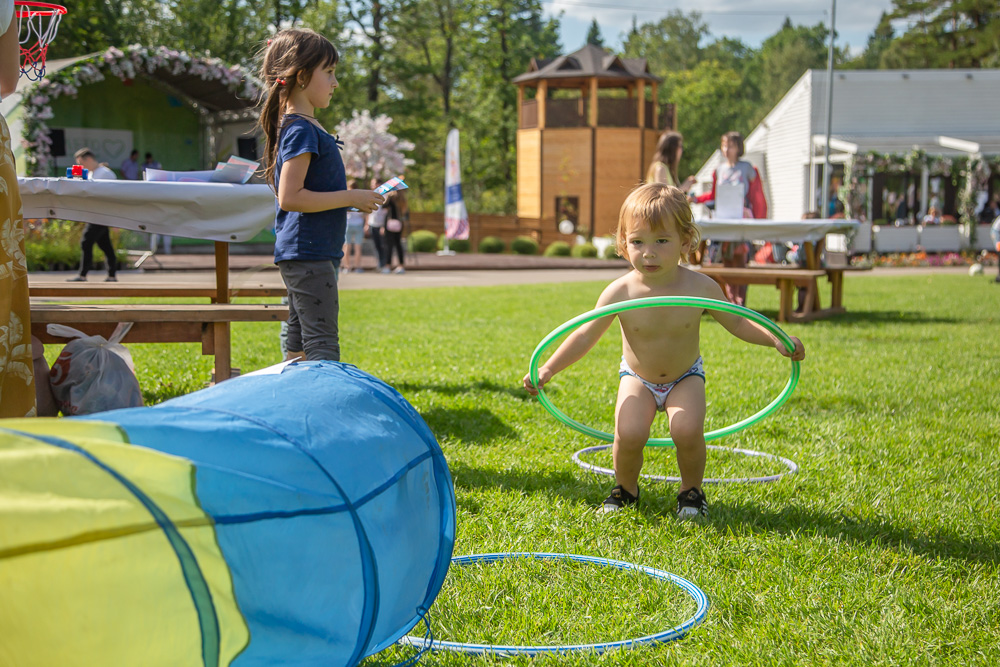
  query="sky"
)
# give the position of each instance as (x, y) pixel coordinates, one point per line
(751, 21)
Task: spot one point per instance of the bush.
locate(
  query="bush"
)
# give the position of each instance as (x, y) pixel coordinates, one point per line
(611, 252)
(557, 249)
(421, 240)
(524, 245)
(584, 250)
(492, 245)
(456, 245)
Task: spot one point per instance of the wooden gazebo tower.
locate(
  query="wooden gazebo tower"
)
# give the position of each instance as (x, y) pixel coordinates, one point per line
(588, 123)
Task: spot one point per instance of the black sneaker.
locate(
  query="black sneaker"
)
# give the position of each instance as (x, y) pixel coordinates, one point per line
(619, 499)
(692, 504)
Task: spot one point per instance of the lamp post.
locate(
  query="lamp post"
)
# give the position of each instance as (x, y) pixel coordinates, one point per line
(825, 199)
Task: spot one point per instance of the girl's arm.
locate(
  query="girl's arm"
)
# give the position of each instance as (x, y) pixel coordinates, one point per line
(750, 331)
(293, 196)
(576, 345)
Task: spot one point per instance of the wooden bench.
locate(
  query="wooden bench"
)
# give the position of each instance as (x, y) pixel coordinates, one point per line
(787, 281)
(103, 290)
(153, 323)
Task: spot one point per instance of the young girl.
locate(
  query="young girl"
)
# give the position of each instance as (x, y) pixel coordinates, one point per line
(661, 366)
(663, 169)
(738, 172)
(306, 170)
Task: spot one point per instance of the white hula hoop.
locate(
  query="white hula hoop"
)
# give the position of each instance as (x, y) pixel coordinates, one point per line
(789, 464)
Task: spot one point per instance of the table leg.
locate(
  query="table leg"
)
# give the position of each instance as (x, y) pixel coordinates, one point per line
(787, 291)
(837, 288)
(223, 359)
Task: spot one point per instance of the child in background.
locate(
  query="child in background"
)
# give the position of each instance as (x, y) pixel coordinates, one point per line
(306, 171)
(661, 366)
(355, 236)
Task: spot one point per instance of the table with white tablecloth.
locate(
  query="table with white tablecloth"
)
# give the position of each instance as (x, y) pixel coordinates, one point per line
(219, 212)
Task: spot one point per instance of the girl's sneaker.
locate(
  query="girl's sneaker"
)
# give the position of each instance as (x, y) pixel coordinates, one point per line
(692, 504)
(619, 499)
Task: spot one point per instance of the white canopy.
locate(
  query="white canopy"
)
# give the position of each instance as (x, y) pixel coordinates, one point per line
(212, 211)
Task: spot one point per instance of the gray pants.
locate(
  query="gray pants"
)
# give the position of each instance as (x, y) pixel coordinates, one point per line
(313, 309)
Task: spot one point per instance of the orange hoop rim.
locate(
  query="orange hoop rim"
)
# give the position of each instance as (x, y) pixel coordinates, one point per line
(46, 9)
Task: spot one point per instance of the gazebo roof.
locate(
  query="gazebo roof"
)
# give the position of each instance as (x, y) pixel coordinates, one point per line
(587, 63)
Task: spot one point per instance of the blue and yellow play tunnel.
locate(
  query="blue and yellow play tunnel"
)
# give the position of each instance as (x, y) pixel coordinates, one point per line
(303, 516)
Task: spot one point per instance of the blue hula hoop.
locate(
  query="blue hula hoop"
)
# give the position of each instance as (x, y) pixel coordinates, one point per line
(673, 634)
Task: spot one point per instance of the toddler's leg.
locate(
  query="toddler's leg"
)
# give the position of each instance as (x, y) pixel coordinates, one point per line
(634, 415)
(685, 409)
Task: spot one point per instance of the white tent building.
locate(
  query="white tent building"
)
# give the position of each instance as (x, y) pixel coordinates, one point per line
(951, 113)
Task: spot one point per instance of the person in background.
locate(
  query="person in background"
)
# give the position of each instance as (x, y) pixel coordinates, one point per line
(355, 238)
(94, 233)
(376, 228)
(663, 168)
(130, 167)
(991, 209)
(17, 379)
(150, 163)
(737, 172)
(396, 218)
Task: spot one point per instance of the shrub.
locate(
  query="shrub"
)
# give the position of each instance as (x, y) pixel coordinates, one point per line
(524, 245)
(557, 249)
(422, 240)
(492, 245)
(457, 245)
(584, 250)
(611, 252)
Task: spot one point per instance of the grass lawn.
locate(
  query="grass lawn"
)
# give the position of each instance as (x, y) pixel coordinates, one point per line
(883, 548)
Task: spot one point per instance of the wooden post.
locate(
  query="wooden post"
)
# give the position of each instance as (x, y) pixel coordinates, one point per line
(656, 109)
(520, 103)
(540, 95)
(642, 104)
(220, 330)
(592, 121)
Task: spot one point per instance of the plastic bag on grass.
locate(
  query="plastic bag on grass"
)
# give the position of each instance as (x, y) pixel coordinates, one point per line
(93, 374)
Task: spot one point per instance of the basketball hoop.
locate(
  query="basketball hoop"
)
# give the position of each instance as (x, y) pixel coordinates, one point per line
(37, 24)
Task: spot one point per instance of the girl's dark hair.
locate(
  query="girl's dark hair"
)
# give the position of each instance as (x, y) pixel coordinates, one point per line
(668, 151)
(737, 138)
(288, 59)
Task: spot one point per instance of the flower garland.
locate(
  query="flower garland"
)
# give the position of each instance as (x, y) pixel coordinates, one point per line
(125, 65)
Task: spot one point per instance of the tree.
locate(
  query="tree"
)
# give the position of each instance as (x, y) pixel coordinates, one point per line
(96, 25)
(945, 33)
(594, 34)
(672, 43)
(786, 55)
(370, 150)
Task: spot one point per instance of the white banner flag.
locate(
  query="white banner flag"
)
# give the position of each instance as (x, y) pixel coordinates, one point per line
(456, 219)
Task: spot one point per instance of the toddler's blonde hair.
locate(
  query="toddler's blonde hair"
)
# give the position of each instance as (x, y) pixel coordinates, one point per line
(653, 205)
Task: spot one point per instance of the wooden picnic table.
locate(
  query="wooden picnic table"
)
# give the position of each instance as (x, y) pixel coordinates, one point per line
(786, 279)
(220, 212)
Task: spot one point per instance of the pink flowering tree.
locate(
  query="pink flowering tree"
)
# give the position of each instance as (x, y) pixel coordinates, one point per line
(370, 150)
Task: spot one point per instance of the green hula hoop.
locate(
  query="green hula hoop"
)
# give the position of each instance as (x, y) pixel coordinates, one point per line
(654, 302)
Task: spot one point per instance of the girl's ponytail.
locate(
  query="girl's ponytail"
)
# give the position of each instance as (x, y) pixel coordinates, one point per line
(270, 115)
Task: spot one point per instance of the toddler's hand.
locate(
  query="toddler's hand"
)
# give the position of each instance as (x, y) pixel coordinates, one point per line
(543, 376)
(367, 201)
(800, 351)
